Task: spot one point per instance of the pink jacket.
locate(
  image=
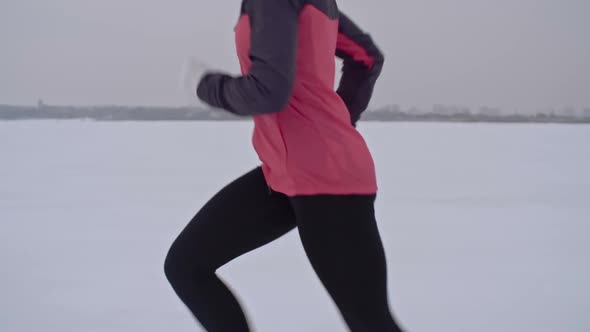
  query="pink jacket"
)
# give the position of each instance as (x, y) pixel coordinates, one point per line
(304, 130)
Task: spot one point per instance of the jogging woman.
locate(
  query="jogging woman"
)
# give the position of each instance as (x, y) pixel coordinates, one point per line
(317, 173)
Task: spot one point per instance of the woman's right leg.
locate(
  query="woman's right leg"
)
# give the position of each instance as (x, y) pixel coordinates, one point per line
(241, 217)
(343, 244)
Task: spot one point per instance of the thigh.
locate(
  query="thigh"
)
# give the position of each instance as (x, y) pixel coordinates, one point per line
(342, 241)
(241, 217)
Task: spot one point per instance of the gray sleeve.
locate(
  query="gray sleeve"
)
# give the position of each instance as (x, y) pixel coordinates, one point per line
(362, 65)
(269, 84)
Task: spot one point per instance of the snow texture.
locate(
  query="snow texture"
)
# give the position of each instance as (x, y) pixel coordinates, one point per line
(486, 227)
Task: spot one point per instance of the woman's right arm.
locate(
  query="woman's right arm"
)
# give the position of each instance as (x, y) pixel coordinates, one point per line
(269, 84)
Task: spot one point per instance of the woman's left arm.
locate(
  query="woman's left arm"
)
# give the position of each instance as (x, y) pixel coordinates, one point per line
(269, 84)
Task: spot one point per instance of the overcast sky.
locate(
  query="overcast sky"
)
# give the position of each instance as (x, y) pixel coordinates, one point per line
(508, 53)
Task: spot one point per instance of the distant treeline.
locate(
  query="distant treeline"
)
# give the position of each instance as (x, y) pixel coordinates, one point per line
(438, 113)
(111, 113)
(442, 113)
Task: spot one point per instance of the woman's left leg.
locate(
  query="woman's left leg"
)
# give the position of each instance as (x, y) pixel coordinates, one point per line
(241, 217)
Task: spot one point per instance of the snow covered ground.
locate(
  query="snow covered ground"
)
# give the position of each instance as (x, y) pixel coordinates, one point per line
(486, 227)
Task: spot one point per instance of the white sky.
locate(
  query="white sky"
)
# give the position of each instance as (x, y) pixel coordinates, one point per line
(507, 53)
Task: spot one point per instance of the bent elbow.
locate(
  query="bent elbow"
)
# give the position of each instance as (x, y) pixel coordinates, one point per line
(378, 62)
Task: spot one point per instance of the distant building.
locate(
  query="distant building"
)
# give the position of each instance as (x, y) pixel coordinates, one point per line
(416, 111)
(587, 113)
(569, 112)
(448, 110)
(388, 109)
(489, 111)
(394, 108)
(440, 109)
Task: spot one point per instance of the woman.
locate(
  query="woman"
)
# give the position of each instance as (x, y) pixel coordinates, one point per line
(317, 174)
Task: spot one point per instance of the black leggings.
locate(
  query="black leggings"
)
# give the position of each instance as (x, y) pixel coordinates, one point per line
(339, 235)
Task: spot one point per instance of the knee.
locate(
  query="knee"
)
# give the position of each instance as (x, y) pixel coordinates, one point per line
(178, 265)
(173, 266)
(185, 264)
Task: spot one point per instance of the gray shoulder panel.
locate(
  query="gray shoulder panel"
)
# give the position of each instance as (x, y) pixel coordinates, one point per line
(269, 84)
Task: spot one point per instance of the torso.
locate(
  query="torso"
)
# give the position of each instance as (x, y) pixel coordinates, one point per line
(310, 147)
